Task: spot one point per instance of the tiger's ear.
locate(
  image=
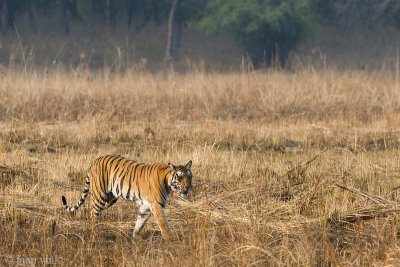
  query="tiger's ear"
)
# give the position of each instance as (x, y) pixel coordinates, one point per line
(189, 164)
(171, 167)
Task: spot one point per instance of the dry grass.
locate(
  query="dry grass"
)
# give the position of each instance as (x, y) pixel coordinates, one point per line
(260, 197)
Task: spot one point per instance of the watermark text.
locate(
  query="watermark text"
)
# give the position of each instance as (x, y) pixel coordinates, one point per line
(22, 260)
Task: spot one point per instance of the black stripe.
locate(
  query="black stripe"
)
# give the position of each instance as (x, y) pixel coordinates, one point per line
(166, 167)
(139, 197)
(120, 167)
(104, 176)
(116, 170)
(162, 205)
(124, 170)
(101, 167)
(141, 171)
(135, 174)
(97, 189)
(136, 178)
(148, 172)
(99, 175)
(96, 207)
(144, 215)
(151, 169)
(163, 197)
(105, 173)
(140, 176)
(130, 180)
(99, 204)
(113, 201)
(109, 169)
(101, 197)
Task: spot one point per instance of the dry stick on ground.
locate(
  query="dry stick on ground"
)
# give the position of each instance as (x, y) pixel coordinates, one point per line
(375, 199)
(367, 213)
(394, 189)
(307, 162)
(382, 209)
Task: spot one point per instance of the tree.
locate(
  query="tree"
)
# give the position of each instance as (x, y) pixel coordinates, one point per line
(348, 14)
(174, 32)
(156, 9)
(63, 17)
(10, 7)
(181, 12)
(30, 14)
(73, 9)
(267, 29)
(110, 14)
(129, 11)
(97, 8)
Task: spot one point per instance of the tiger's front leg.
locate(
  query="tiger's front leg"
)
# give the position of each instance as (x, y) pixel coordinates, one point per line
(162, 221)
(144, 215)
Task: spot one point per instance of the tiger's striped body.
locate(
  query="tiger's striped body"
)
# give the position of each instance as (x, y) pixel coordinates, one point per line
(113, 177)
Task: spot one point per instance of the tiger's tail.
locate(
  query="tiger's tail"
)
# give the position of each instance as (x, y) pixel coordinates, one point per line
(82, 200)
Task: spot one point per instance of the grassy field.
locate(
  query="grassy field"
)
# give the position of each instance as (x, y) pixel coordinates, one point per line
(290, 168)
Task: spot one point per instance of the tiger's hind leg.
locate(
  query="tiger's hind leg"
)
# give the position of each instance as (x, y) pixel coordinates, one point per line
(97, 208)
(110, 201)
(144, 215)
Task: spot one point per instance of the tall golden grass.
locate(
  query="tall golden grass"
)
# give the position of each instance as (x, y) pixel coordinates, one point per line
(260, 196)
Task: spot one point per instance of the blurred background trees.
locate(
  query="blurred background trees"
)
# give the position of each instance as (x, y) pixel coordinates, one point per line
(266, 30)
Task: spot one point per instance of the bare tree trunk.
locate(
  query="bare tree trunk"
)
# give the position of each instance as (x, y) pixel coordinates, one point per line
(10, 13)
(156, 15)
(146, 15)
(97, 9)
(31, 18)
(63, 17)
(174, 33)
(1, 10)
(129, 12)
(110, 13)
(73, 9)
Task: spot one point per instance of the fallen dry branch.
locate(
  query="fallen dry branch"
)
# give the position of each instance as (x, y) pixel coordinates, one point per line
(303, 164)
(375, 199)
(381, 208)
(394, 189)
(364, 214)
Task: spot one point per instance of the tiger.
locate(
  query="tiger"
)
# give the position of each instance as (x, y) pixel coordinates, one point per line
(114, 177)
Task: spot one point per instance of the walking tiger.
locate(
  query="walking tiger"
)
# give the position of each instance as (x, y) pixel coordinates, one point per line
(114, 177)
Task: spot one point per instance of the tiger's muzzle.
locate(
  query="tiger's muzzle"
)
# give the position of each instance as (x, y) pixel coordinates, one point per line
(184, 191)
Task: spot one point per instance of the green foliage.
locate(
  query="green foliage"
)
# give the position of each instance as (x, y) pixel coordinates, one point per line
(264, 26)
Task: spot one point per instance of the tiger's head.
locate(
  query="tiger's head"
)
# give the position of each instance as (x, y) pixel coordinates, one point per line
(181, 179)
